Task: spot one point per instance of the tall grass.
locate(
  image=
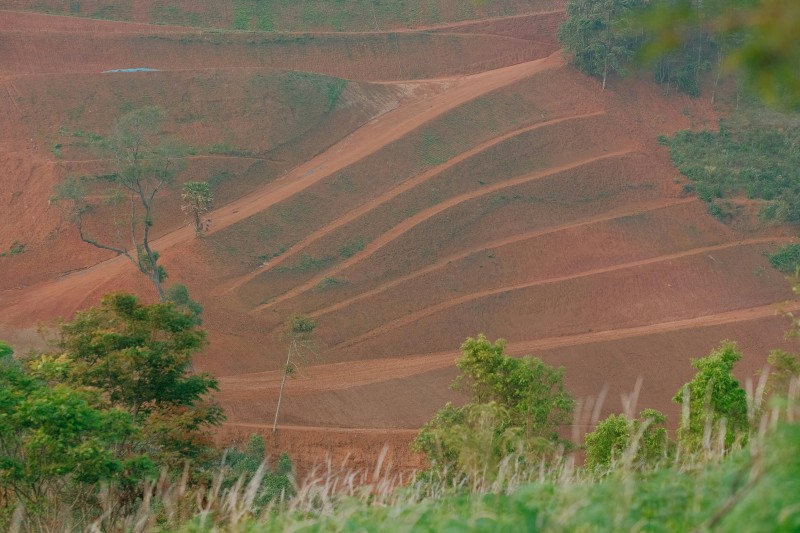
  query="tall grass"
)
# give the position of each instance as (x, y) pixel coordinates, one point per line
(744, 487)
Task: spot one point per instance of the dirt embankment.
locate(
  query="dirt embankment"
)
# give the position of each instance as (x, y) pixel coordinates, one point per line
(475, 184)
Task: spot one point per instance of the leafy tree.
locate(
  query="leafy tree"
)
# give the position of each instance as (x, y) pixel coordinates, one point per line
(145, 162)
(55, 442)
(197, 201)
(598, 35)
(757, 38)
(299, 332)
(517, 408)
(645, 438)
(138, 357)
(714, 395)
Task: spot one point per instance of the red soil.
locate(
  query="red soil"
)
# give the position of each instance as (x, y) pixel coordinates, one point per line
(504, 193)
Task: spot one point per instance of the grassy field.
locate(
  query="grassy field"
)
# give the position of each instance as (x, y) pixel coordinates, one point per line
(749, 491)
(287, 15)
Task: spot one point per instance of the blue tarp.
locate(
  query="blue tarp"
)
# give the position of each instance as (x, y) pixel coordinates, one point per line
(140, 69)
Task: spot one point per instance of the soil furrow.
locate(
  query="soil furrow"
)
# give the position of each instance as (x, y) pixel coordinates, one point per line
(337, 376)
(503, 242)
(393, 193)
(363, 142)
(428, 311)
(421, 217)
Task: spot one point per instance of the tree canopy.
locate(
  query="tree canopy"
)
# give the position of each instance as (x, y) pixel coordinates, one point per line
(145, 161)
(715, 401)
(516, 410)
(757, 38)
(138, 357)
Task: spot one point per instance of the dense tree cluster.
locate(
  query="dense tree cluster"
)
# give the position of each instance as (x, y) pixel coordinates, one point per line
(114, 406)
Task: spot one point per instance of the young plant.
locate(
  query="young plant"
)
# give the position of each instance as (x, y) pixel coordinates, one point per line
(197, 201)
(300, 335)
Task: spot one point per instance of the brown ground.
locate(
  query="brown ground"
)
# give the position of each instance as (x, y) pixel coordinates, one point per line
(464, 181)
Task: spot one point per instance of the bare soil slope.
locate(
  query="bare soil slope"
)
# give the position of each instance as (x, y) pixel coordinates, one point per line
(407, 190)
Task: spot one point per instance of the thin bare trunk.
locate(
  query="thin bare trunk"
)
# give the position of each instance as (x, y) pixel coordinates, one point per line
(719, 73)
(283, 384)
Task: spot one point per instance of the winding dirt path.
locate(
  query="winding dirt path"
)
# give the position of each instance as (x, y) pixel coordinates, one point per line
(453, 302)
(642, 208)
(389, 127)
(422, 216)
(323, 429)
(394, 193)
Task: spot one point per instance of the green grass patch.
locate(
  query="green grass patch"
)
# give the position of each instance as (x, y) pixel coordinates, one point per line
(740, 492)
(787, 259)
(759, 158)
(16, 248)
(227, 149)
(352, 248)
(307, 263)
(220, 177)
(329, 283)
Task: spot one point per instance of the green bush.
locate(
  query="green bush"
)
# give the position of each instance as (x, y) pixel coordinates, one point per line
(787, 259)
(517, 408)
(757, 159)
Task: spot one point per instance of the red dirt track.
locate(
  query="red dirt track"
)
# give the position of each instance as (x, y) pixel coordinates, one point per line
(465, 180)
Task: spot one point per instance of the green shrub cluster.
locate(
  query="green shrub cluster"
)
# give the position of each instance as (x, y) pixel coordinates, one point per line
(760, 161)
(87, 429)
(787, 259)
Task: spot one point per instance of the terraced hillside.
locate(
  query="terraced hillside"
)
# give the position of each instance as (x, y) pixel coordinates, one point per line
(405, 188)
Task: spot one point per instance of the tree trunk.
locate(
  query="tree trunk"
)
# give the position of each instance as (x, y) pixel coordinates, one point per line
(283, 384)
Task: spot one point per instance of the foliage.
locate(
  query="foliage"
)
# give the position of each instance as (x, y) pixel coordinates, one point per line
(517, 407)
(178, 294)
(757, 159)
(197, 201)
(754, 490)
(787, 258)
(138, 358)
(244, 465)
(598, 35)
(644, 440)
(57, 442)
(16, 248)
(145, 162)
(715, 401)
(760, 39)
(785, 369)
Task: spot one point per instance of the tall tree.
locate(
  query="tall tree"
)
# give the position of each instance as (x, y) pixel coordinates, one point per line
(58, 443)
(758, 38)
(144, 162)
(299, 333)
(598, 36)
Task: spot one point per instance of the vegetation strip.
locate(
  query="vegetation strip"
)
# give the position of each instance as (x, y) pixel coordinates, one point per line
(393, 193)
(422, 216)
(428, 311)
(495, 244)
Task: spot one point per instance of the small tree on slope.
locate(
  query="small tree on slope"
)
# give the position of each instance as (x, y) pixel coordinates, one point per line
(145, 162)
(517, 408)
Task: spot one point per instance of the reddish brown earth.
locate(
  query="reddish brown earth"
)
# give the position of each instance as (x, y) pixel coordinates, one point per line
(464, 180)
